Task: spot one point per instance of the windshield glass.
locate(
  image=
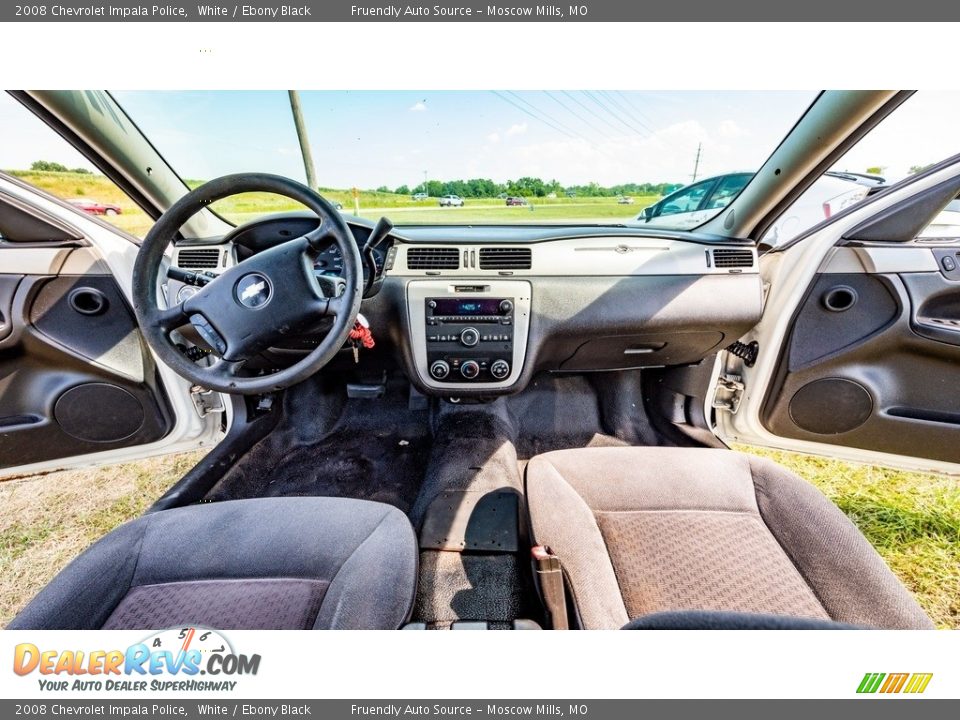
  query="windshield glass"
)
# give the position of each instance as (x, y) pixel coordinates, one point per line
(497, 157)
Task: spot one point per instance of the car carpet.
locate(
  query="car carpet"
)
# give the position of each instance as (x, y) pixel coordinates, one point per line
(328, 445)
(473, 452)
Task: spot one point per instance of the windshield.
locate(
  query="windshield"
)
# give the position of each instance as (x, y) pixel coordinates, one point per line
(497, 157)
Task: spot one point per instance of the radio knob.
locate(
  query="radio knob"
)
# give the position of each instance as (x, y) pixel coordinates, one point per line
(506, 307)
(440, 369)
(500, 369)
(470, 336)
(469, 369)
(432, 304)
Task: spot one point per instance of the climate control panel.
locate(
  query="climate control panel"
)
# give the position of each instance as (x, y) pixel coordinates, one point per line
(469, 335)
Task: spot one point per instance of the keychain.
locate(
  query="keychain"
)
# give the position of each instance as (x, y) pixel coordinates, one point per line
(360, 335)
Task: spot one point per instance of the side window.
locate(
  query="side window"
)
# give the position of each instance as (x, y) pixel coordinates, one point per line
(946, 224)
(727, 190)
(686, 200)
(38, 156)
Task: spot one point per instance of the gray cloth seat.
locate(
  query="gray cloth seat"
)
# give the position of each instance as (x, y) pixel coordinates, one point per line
(269, 563)
(654, 530)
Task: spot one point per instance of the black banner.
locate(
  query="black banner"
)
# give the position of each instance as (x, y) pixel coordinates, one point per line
(853, 709)
(506, 11)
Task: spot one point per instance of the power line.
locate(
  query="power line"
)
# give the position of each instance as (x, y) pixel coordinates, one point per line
(629, 101)
(581, 119)
(527, 112)
(591, 111)
(612, 113)
(626, 110)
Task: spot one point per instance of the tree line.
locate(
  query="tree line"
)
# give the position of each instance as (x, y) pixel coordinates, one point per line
(527, 187)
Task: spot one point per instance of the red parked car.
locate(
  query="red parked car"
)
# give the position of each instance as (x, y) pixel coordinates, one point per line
(95, 208)
(516, 201)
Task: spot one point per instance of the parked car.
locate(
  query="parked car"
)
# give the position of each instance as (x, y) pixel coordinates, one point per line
(512, 200)
(624, 200)
(451, 201)
(421, 196)
(946, 224)
(95, 208)
(694, 204)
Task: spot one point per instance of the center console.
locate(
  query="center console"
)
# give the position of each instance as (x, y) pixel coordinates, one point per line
(469, 335)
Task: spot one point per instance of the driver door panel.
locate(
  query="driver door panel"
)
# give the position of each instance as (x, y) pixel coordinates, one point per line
(74, 375)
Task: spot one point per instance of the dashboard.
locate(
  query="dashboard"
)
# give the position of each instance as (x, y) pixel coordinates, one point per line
(477, 311)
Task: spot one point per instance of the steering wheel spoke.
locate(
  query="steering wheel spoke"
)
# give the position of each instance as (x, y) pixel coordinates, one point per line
(172, 318)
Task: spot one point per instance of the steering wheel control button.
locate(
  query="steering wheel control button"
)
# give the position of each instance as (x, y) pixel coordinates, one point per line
(500, 369)
(440, 369)
(209, 335)
(470, 369)
(254, 291)
(469, 336)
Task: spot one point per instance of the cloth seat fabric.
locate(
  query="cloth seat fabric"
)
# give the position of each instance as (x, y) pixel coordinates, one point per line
(652, 530)
(267, 563)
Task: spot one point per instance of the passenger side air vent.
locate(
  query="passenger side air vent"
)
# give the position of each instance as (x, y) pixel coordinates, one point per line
(433, 259)
(199, 258)
(732, 258)
(506, 258)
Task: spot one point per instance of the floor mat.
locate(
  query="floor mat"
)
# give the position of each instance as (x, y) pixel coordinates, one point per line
(327, 445)
(555, 413)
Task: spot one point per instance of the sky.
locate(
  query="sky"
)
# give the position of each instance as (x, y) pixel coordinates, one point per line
(372, 138)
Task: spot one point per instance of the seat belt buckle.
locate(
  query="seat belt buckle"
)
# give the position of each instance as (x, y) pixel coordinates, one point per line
(549, 575)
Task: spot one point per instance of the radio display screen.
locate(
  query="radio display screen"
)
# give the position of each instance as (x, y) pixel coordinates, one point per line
(467, 306)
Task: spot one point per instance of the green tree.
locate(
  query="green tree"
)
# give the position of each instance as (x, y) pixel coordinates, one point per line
(48, 166)
(402, 190)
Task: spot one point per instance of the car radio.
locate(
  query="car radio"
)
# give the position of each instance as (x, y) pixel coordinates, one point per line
(468, 335)
(469, 338)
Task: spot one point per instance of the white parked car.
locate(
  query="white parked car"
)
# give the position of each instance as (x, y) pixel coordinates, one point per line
(694, 204)
(451, 201)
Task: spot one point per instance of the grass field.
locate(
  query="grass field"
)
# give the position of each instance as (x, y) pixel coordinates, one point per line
(912, 519)
(401, 209)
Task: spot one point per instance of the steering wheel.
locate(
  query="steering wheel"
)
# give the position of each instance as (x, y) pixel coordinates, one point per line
(269, 296)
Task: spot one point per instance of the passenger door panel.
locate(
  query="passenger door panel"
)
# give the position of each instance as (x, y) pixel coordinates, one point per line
(873, 362)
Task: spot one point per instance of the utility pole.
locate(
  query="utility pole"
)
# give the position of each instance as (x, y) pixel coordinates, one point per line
(304, 140)
(424, 181)
(696, 163)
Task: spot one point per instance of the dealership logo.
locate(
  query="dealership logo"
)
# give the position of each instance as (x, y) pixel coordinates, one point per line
(168, 660)
(910, 683)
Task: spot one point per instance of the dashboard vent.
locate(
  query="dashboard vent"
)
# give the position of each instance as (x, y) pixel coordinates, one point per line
(505, 258)
(199, 258)
(433, 259)
(731, 258)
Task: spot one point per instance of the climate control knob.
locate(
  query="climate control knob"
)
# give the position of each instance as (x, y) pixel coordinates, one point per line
(470, 369)
(506, 306)
(470, 336)
(500, 369)
(440, 369)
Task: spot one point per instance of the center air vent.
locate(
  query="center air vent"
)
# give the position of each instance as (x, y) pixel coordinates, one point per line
(433, 259)
(504, 258)
(199, 258)
(732, 258)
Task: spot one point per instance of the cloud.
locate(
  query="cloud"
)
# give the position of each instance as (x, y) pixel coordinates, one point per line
(729, 130)
(493, 138)
(516, 129)
(418, 107)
